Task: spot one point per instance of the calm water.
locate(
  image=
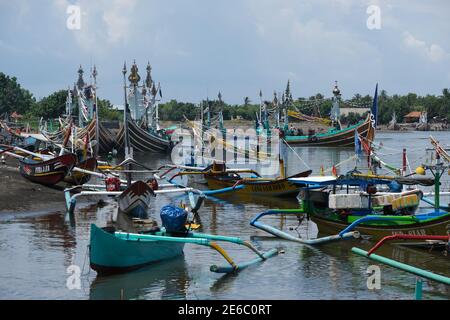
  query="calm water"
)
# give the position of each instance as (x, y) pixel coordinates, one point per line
(37, 248)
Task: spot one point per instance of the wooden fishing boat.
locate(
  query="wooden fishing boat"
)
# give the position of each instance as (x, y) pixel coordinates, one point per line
(113, 251)
(142, 140)
(135, 200)
(218, 176)
(338, 136)
(382, 226)
(370, 213)
(256, 186)
(47, 172)
(335, 138)
(79, 178)
(106, 139)
(112, 254)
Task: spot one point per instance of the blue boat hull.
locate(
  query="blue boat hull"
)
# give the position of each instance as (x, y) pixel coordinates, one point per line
(109, 254)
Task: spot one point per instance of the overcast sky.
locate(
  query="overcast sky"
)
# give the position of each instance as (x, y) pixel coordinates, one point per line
(199, 47)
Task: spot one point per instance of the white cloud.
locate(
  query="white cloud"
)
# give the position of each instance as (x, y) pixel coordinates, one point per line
(434, 52)
(118, 16)
(104, 23)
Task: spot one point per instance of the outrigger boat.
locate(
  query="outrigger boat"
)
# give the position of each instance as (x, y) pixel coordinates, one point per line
(373, 214)
(47, 172)
(218, 176)
(46, 167)
(142, 126)
(84, 96)
(114, 251)
(336, 136)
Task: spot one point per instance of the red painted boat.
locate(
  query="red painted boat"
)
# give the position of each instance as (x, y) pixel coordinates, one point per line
(48, 172)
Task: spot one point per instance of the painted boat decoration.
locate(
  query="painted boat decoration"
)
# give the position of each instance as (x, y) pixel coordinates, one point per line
(80, 178)
(218, 176)
(379, 226)
(48, 172)
(135, 200)
(106, 139)
(335, 138)
(142, 140)
(111, 251)
(338, 136)
(280, 187)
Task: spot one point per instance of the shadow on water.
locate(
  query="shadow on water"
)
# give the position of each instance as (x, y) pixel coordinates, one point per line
(163, 280)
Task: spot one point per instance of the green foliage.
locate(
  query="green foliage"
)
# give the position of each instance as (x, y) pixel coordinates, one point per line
(50, 107)
(106, 111)
(175, 111)
(13, 97)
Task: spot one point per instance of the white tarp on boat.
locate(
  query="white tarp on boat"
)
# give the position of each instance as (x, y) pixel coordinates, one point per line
(313, 180)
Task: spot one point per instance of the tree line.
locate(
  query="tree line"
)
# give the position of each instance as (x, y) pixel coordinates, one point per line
(15, 98)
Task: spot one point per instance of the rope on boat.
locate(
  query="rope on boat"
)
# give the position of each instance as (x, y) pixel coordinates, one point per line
(354, 157)
(298, 156)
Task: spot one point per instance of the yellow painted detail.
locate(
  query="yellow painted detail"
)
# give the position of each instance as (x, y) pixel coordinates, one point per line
(405, 202)
(224, 254)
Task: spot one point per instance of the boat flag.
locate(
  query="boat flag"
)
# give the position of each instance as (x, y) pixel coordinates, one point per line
(374, 109)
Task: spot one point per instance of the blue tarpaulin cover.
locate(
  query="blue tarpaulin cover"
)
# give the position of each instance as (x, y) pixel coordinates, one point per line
(173, 218)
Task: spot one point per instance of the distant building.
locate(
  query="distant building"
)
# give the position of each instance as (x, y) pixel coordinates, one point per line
(412, 117)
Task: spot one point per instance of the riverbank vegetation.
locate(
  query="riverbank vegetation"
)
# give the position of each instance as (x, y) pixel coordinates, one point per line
(14, 98)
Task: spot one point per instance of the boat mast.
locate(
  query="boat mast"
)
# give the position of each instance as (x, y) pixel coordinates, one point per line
(69, 103)
(96, 109)
(157, 107)
(335, 111)
(148, 85)
(125, 123)
(260, 108)
(219, 96)
(80, 85)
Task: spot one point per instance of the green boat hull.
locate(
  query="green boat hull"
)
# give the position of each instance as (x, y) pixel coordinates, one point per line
(435, 225)
(110, 254)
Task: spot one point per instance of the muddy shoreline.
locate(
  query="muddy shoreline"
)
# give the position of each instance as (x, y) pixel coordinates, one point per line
(17, 194)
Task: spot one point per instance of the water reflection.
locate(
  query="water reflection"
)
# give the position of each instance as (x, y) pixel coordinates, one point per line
(35, 250)
(50, 233)
(164, 280)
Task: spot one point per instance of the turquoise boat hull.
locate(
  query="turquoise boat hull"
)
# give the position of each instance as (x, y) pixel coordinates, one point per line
(110, 254)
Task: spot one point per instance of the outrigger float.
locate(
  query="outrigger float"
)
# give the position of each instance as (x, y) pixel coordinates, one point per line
(403, 266)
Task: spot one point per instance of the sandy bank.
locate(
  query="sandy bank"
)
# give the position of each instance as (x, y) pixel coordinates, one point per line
(19, 195)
